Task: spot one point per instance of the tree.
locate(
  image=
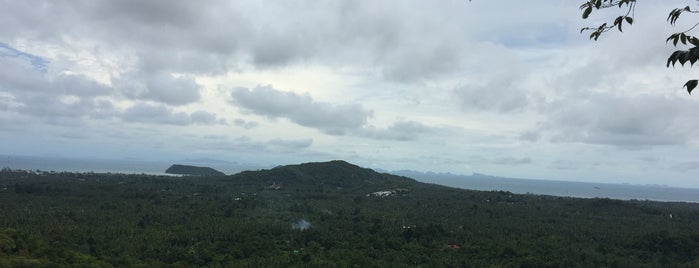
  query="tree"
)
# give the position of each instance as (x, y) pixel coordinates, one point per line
(690, 55)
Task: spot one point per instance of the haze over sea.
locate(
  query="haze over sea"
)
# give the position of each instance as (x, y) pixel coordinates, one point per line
(474, 182)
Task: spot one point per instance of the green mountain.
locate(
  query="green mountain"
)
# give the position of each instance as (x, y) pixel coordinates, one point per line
(332, 177)
(193, 170)
(329, 214)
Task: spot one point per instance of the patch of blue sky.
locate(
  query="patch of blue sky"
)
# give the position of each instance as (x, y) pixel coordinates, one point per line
(39, 63)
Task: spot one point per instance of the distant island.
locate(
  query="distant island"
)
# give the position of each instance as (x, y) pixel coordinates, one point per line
(193, 171)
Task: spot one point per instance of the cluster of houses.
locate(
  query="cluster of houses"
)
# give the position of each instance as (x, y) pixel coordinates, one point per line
(388, 193)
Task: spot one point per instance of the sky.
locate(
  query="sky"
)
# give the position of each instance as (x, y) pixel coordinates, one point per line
(505, 88)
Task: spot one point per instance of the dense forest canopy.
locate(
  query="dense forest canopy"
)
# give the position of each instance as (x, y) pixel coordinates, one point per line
(331, 214)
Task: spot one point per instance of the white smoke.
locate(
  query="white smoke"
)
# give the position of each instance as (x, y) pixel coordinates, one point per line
(301, 224)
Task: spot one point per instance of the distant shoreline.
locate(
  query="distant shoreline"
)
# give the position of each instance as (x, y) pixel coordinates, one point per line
(670, 191)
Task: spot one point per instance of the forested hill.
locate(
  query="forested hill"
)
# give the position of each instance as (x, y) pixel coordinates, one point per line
(330, 214)
(332, 176)
(193, 170)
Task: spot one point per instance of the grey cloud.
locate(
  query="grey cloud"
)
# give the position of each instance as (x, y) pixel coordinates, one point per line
(149, 113)
(203, 117)
(564, 165)
(6, 102)
(425, 63)
(154, 60)
(247, 144)
(271, 51)
(633, 122)
(291, 144)
(530, 136)
(73, 135)
(497, 86)
(212, 36)
(44, 106)
(648, 159)
(503, 161)
(172, 90)
(79, 85)
(328, 118)
(20, 76)
(32, 90)
(146, 113)
(62, 84)
(156, 12)
(245, 124)
(160, 87)
(162, 35)
(401, 40)
(498, 96)
(301, 109)
(686, 166)
(401, 131)
(511, 161)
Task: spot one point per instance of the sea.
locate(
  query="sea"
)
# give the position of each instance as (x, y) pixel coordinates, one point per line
(126, 166)
(483, 182)
(479, 182)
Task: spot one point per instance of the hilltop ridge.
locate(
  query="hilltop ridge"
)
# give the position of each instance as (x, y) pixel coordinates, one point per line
(193, 170)
(331, 175)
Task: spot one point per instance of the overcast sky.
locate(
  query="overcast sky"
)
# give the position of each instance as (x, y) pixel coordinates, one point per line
(506, 88)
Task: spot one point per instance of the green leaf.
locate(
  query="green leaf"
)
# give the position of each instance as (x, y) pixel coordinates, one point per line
(683, 57)
(694, 52)
(601, 27)
(690, 85)
(587, 12)
(618, 22)
(624, 2)
(629, 20)
(683, 38)
(674, 15)
(693, 40)
(673, 58)
(671, 37)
